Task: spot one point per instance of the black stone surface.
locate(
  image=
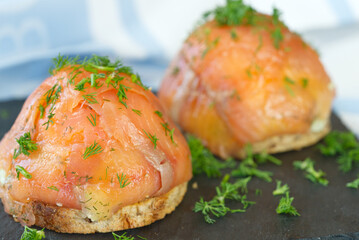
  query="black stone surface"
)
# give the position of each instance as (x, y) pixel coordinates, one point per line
(331, 211)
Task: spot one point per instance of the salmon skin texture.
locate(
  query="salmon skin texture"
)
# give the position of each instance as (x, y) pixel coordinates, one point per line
(231, 85)
(133, 156)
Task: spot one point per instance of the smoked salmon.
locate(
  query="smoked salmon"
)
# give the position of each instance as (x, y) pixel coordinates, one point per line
(243, 77)
(92, 139)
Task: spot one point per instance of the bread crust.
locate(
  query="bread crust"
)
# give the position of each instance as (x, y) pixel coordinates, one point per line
(67, 220)
(287, 142)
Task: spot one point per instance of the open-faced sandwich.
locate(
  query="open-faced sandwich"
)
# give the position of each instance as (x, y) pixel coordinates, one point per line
(92, 150)
(243, 77)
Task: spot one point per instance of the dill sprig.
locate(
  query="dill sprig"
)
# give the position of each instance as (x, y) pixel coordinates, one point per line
(344, 146)
(234, 13)
(248, 167)
(93, 119)
(285, 206)
(280, 189)
(32, 234)
(26, 145)
(203, 160)
(237, 13)
(60, 62)
(153, 138)
(354, 183)
(138, 112)
(169, 131)
(90, 98)
(123, 180)
(110, 75)
(158, 113)
(53, 188)
(310, 173)
(42, 110)
(23, 171)
(93, 149)
(122, 89)
(51, 97)
(49, 118)
(122, 236)
(217, 207)
(135, 78)
(276, 34)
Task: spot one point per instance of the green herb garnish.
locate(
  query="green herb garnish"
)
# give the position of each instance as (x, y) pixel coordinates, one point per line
(353, 184)
(138, 112)
(23, 171)
(175, 71)
(280, 189)
(4, 114)
(285, 206)
(234, 13)
(203, 160)
(122, 237)
(90, 98)
(310, 173)
(305, 82)
(343, 145)
(32, 234)
(170, 131)
(93, 119)
(42, 110)
(53, 188)
(158, 113)
(264, 157)
(276, 35)
(210, 46)
(95, 148)
(248, 167)
(123, 180)
(153, 138)
(288, 80)
(217, 206)
(26, 145)
(122, 94)
(234, 34)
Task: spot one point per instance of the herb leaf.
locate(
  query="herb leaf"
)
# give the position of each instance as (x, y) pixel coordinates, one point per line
(93, 119)
(248, 166)
(313, 175)
(280, 189)
(95, 148)
(170, 131)
(158, 113)
(26, 145)
(344, 145)
(285, 206)
(153, 138)
(90, 98)
(122, 237)
(32, 234)
(123, 180)
(53, 188)
(138, 112)
(22, 170)
(353, 184)
(203, 160)
(217, 206)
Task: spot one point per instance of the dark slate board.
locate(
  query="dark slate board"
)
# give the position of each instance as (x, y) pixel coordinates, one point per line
(331, 211)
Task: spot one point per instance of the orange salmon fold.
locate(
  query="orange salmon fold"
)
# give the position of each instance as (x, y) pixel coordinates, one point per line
(108, 140)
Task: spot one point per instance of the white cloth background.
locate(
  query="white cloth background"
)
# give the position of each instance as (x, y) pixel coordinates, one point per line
(147, 34)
